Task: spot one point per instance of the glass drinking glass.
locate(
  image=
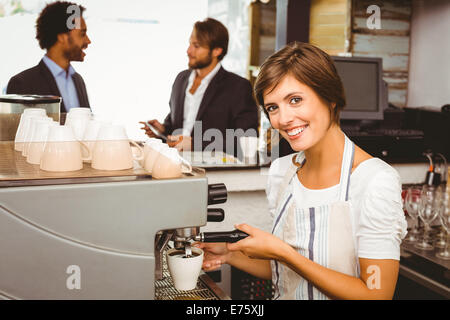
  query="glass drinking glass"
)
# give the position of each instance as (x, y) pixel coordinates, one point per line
(428, 211)
(441, 236)
(412, 200)
(444, 215)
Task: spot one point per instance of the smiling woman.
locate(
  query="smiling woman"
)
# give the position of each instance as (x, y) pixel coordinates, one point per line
(314, 113)
(308, 65)
(337, 213)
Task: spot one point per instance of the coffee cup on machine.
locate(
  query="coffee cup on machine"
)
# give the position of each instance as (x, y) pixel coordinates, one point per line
(152, 148)
(38, 140)
(23, 125)
(31, 124)
(91, 133)
(62, 151)
(80, 111)
(78, 121)
(169, 164)
(183, 269)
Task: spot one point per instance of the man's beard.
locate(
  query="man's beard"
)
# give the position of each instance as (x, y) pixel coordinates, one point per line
(74, 53)
(200, 64)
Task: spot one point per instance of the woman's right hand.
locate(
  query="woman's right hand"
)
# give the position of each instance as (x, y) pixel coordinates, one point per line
(215, 254)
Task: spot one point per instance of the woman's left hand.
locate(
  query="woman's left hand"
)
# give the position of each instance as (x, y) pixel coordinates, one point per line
(259, 244)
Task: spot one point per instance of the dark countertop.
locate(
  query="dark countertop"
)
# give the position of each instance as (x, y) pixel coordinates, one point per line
(429, 255)
(423, 267)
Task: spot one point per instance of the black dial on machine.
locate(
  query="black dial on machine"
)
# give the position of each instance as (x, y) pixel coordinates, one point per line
(217, 193)
(215, 215)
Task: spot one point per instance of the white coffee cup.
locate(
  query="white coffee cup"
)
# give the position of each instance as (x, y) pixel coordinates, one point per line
(249, 146)
(91, 133)
(23, 125)
(62, 151)
(78, 121)
(112, 150)
(169, 164)
(30, 131)
(80, 111)
(38, 140)
(151, 151)
(184, 271)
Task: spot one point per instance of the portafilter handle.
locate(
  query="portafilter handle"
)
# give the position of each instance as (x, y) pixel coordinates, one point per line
(222, 236)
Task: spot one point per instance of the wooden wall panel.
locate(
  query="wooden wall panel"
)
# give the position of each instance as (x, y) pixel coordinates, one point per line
(330, 25)
(262, 22)
(267, 30)
(339, 27)
(391, 42)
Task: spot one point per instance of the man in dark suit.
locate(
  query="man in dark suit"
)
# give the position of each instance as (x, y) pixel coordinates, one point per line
(206, 100)
(61, 30)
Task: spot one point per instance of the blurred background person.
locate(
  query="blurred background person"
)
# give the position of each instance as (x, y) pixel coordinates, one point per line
(208, 93)
(62, 32)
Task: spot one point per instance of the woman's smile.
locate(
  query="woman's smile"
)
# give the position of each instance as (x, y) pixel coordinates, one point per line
(296, 132)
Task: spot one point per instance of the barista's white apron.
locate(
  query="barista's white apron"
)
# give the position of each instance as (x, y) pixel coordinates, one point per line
(322, 234)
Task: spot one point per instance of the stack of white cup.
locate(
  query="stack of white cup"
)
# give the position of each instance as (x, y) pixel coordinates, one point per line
(29, 138)
(63, 148)
(34, 147)
(32, 133)
(62, 151)
(46, 143)
(151, 150)
(164, 162)
(24, 124)
(111, 149)
(78, 119)
(38, 140)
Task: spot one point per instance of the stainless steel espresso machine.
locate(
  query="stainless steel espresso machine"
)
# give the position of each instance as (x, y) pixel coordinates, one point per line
(96, 237)
(93, 234)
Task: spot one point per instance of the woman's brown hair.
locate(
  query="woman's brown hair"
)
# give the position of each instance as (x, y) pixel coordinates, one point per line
(309, 65)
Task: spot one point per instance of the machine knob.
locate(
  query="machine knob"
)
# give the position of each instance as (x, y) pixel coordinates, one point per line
(217, 193)
(215, 215)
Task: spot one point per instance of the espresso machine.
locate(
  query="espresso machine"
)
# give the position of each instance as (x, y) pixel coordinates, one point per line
(98, 237)
(94, 234)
